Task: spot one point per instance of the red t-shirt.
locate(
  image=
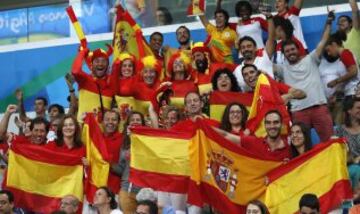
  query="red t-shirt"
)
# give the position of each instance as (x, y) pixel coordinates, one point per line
(260, 147)
(113, 145)
(347, 58)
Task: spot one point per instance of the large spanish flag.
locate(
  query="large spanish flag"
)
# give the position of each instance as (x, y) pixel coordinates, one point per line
(159, 159)
(39, 177)
(266, 98)
(96, 154)
(128, 36)
(219, 100)
(223, 174)
(322, 171)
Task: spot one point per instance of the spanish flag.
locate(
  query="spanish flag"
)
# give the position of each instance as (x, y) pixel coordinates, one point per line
(39, 177)
(96, 154)
(159, 159)
(223, 174)
(266, 98)
(321, 171)
(77, 26)
(219, 100)
(128, 36)
(196, 7)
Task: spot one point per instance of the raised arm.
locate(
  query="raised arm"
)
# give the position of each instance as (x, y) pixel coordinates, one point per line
(20, 98)
(153, 116)
(5, 120)
(76, 69)
(218, 4)
(355, 14)
(204, 20)
(270, 43)
(298, 4)
(73, 99)
(326, 34)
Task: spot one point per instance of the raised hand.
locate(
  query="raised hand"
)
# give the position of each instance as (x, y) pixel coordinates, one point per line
(11, 109)
(19, 94)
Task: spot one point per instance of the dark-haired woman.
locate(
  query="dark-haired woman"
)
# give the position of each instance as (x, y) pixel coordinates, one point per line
(127, 195)
(234, 119)
(69, 138)
(224, 80)
(104, 201)
(257, 207)
(300, 138)
(334, 48)
(350, 130)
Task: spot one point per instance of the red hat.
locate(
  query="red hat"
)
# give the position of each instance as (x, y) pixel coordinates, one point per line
(99, 53)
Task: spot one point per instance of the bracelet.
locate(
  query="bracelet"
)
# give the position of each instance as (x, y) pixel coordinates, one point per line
(329, 22)
(72, 90)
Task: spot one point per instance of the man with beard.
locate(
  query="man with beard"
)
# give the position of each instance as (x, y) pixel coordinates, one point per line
(113, 142)
(203, 68)
(259, 57)
(96, 89)
(183, 37)
(303, 73)
(273, 146)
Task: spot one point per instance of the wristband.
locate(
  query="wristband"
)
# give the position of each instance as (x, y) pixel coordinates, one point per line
(72, 90)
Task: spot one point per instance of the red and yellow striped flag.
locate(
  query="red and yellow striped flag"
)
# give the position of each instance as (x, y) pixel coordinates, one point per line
(321, 171)
(266, 98)
(78, 29)
(219, 100)
(128, 36)
(223, 174)
(39, 177)
(159, 159)
(96, 154)
(196, 8)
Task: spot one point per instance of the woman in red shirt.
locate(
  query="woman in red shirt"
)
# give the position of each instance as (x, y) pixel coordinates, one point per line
(234, 119)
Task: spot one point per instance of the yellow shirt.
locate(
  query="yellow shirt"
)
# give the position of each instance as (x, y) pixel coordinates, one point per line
(221, 43)
(353, 42)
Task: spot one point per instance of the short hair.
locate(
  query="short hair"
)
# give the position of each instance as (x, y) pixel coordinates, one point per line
(113, 111)
(234, 84)
(347, 105)
(184, 27)
(168, 109)
(287, 43)
(126, 141)
(241, 4)
(113, 203)
(309, 200)
(58, 106)
(9, 194)
(285, 24)
(43, 99)
(348, 18)
(191, 92)
(247, 38)
(225, 13)
(153, 208)
(338, 37)
(40, 120)
(146, 194)
(157, 33)
(248, 66)
(274, 111)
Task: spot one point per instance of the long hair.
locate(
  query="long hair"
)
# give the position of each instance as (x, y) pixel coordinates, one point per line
(126, 138)
(261, 205)
(225, 121)
(234, 84)
(60, 136)
(349, 104)
(113, 203)
(307, 139)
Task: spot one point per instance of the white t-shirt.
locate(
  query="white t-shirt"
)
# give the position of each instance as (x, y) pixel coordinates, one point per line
(330, 71)
(262, 62)
(293, 15)
(252, 28)
(116, 211)
(305, 75)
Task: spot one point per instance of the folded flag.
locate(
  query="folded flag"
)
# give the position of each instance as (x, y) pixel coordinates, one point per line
(196, 7)
(39, 177)
(266, 98)
(96, 154)
(159, 159)
(321, 171)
